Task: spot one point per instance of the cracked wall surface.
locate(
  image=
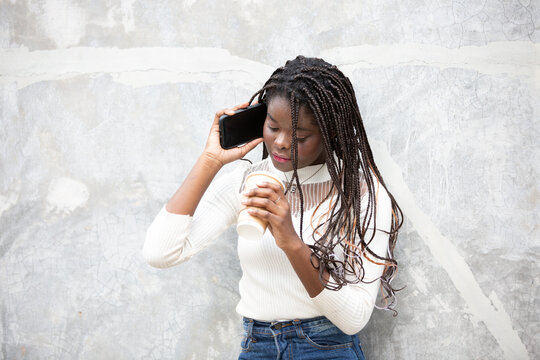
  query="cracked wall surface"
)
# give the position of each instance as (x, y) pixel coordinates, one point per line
(105, 105)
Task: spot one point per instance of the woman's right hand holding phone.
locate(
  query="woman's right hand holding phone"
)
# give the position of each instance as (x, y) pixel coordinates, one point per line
(213, 150)
(187, 197)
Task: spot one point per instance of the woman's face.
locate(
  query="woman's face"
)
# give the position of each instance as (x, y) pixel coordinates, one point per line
(277, 135)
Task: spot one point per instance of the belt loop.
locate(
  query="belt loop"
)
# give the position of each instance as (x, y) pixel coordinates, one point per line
(250, 328)
(299, 332)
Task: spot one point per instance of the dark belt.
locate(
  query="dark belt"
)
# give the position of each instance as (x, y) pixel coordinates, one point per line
(280, 326)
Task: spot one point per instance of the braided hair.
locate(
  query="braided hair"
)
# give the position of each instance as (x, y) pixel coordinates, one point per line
(329, 94)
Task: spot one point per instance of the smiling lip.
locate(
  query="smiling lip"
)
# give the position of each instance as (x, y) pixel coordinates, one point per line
(280, 159)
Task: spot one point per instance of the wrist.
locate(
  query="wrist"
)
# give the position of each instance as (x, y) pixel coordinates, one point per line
(210, 161)
(294, 246)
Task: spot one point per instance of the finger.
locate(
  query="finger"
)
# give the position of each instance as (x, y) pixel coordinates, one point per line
(241, 106)
(262, 193)
(250, 146)
(222, 112)
(262, 214)
(227, 111)
(276, 187)
(231, 111)
(261, 202)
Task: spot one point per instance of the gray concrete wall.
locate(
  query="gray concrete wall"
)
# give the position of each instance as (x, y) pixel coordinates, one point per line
(105, 105)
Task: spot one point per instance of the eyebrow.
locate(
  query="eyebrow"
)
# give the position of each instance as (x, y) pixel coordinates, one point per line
(297, 128)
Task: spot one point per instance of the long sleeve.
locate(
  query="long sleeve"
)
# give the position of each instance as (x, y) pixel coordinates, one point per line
(350, 307)
(172, 238)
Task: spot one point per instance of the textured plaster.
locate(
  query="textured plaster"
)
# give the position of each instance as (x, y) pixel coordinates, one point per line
(105, 105)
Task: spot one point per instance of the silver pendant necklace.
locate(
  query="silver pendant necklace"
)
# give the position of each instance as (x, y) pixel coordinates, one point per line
(293, 186)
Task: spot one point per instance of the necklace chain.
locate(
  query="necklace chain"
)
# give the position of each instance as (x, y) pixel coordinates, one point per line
(293, 186)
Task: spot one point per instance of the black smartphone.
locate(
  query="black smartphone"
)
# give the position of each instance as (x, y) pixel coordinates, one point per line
(242, 127)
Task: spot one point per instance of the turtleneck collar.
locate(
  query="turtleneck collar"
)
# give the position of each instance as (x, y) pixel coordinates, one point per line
(307, 175)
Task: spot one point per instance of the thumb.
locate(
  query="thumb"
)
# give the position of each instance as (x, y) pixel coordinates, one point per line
(250, 146)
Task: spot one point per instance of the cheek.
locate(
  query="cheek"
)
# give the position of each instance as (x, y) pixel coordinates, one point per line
(312, 150)
(306, 151)
(267, 138)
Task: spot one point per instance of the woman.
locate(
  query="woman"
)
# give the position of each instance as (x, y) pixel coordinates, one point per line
(310, 285)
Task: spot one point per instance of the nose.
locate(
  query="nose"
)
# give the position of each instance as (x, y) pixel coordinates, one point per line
(283, 141)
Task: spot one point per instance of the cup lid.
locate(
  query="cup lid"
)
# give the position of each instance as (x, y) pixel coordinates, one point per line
(270, 175)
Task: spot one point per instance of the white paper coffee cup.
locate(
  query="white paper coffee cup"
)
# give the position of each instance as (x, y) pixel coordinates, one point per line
(251, 227)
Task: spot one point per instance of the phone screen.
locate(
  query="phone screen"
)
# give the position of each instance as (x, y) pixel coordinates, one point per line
(245, 125)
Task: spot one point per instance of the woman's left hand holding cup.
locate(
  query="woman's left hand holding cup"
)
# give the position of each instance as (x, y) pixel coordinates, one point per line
(268, 202)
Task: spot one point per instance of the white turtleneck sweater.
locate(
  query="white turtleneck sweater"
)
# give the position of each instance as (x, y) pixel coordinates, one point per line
(269, 287)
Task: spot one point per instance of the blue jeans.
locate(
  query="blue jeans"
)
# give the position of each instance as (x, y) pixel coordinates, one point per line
(312, 339)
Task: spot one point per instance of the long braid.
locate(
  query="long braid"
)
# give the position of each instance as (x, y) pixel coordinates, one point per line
(330, 96)
(294, 143)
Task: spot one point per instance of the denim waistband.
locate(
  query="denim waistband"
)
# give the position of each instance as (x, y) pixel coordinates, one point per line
(283, 327)
(315, 336)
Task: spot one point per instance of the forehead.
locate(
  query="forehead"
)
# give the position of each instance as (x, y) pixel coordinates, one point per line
(279, 110)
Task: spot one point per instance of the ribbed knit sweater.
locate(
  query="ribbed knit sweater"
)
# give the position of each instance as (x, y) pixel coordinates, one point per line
(269, 288)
